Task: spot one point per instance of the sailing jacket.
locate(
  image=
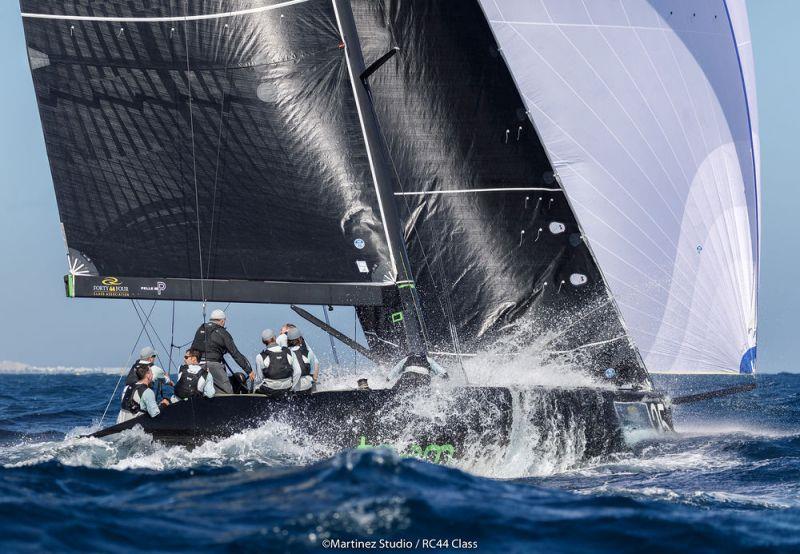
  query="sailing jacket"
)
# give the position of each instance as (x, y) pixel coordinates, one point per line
(263, 363)
(308, 362)
(214, 341)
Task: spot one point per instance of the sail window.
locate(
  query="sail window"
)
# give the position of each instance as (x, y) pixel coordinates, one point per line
(556, 227)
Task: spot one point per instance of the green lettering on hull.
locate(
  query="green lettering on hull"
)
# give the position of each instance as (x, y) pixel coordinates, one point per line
(436, 453)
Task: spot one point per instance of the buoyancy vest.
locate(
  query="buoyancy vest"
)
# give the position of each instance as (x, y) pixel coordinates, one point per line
(301, 352)
(131, 400)
(189, 381)
(280, 364)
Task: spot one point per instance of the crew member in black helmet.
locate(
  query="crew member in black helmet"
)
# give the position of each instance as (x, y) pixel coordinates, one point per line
(213, 341)
(278, 369)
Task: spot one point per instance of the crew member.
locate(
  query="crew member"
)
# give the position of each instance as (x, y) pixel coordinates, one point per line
(193, 379)
(415, 369)
(277, 366)
(139, 398)
(213, 341)
(309, 365)
(147, 358)
(282, 340)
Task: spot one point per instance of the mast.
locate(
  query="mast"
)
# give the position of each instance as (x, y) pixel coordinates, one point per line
(410, 315)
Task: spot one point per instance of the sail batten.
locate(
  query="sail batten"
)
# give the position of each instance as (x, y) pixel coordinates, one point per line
(162, 19)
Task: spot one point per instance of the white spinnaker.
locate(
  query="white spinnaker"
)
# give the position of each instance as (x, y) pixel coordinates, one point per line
(647, 109)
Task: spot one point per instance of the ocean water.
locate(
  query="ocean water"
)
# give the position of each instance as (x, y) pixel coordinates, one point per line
(728, 482)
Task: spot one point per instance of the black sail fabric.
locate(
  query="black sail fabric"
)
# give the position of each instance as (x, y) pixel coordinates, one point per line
(494, 244)
(211, 139)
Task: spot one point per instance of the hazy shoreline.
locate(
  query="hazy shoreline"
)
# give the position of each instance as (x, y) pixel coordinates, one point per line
(19, 368)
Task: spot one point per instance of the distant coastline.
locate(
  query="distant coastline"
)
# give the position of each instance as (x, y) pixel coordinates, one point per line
(8, 367)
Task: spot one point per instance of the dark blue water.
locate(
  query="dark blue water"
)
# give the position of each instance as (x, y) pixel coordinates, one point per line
(729, 483)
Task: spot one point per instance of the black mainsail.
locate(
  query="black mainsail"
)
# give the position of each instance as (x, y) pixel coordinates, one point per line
(207, 150)
(237, 151)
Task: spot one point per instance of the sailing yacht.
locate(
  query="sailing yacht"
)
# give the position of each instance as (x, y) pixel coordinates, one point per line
(579, 175)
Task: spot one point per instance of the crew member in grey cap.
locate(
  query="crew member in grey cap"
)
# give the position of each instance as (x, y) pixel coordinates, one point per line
(277, 369)
(309, 365)
(147, 357)
(213, 341)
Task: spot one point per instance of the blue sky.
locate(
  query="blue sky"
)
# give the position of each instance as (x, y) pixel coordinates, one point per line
(42, 327)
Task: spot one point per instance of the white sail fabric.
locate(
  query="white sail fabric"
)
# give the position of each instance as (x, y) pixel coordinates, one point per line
(647, 109)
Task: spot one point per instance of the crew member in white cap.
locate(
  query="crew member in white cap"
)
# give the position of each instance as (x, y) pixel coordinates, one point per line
(213, 341)
(147, 358)
(277, 368)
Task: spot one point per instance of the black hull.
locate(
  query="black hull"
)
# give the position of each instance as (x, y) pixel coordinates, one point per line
(425, 422)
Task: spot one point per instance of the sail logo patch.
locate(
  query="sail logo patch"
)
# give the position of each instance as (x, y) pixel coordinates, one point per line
(160, 287)
(111, 287)
(359, 243)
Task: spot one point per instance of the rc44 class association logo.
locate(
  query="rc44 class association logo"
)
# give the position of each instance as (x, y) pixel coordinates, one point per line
(110, 287)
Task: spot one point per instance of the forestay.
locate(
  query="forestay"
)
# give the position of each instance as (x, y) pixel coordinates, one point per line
(647, 110)
(206, 150)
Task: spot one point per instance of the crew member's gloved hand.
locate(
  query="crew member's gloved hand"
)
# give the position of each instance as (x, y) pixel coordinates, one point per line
(164, 402)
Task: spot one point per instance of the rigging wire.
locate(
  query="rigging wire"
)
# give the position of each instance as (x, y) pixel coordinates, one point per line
(355, 337)
(449, 314)
(333, 345)
(171, 339)
(216, 165)
(135, 344)
(194, 169)
(146, 322)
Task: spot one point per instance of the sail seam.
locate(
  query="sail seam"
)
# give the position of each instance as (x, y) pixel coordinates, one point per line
(460, 191)
(600, 26)
(166, 19)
